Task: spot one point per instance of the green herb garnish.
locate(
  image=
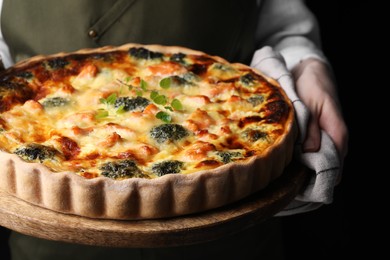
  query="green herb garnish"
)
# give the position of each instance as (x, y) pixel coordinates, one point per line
(110, 100)
(139, 92)
(164, 116)
(144, 85)
(121, 109)
(165, 83)
(160, 100)
(101, 113)
(176, 104)
(153, 94)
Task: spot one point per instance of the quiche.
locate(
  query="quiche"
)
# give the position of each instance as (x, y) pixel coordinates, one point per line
(140, 131)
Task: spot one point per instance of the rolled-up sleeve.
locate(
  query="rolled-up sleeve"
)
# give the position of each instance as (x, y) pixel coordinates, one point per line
(5, 56)
(290, 28)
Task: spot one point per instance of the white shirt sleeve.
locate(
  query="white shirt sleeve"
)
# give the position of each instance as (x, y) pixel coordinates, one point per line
(290, 28)
(4, 50)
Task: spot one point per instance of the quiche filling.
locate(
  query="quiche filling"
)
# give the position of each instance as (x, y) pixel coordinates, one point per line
(138, 113)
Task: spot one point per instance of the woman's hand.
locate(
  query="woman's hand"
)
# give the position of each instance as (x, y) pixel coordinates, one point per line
(316, 89)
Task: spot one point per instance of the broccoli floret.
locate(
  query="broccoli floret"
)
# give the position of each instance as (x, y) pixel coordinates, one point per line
(185, 79)
(254, 134)
(57, 63)
(36, 152)
(121, 170)
(55, 102)
(228, 156)
(167, 167)
(256, 100)
(222, 67)
(168, 132)
(179, 81)
(142, 53)
(247, 80)
(130, 104)
(24, 74)
(178, 57)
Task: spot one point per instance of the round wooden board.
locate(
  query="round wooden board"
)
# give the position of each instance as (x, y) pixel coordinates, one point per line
(32, 220)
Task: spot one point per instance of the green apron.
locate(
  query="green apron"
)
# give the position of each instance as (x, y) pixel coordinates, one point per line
(219, 27)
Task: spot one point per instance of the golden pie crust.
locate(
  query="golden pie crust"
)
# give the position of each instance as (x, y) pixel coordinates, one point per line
(137, 198)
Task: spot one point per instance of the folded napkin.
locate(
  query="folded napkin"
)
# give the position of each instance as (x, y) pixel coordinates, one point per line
(325, 162)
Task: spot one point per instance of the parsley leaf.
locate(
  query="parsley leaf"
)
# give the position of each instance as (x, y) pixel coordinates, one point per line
(160, 100)
(139, 93)
(121, 109)
(143, 85)
(176, 104)
(165, 83)
(101, 113)
(110, 100)
(153, 94)
(164, 116)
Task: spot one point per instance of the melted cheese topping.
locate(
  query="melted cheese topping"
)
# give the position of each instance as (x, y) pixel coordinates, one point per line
(228, 112)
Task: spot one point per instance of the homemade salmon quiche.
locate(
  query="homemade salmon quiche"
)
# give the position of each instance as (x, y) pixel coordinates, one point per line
(140, 131)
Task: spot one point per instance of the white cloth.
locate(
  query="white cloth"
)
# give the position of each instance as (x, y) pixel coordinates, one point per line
(325, 162)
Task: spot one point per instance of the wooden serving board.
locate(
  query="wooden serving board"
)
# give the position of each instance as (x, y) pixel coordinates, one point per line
(32, 220)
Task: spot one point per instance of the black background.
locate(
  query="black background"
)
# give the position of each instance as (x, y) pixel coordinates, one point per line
(353, 35)
(351, 39)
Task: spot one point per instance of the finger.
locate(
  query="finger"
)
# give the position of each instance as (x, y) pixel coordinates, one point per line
(312, 140)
